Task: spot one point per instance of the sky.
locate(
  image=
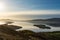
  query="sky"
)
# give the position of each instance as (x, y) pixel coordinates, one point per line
(17, 5)
(29, 7)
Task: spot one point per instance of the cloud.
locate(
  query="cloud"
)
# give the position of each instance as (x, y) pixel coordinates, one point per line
(21, 15)
(30, 12)
(37, 12)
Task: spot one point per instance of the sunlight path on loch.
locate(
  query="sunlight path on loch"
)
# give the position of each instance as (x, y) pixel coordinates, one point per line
(29, 26)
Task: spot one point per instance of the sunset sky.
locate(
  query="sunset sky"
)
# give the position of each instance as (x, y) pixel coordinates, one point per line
(29, 7)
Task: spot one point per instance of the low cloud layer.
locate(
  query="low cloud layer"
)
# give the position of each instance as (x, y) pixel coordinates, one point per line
(30, 12)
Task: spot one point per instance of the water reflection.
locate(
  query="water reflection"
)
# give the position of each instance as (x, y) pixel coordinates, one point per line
(29, 26)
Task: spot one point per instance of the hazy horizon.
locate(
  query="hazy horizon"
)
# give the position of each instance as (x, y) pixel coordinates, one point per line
(28, 7)
(28, 10)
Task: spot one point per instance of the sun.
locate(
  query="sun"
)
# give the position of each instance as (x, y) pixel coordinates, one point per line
(2, 6)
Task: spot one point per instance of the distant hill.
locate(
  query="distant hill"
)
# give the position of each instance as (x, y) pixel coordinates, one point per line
(51, 19)
(55, 22)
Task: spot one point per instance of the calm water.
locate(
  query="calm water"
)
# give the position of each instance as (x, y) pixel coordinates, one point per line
(29, 26)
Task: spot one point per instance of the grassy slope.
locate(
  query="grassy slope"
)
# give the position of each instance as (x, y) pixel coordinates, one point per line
(40, 36)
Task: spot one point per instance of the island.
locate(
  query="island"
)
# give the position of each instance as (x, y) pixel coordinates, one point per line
(42, 26)
(54, 22)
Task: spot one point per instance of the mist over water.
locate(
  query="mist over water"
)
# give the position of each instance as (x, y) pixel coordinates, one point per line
(31, 17)
(29, 26)
(46, 16)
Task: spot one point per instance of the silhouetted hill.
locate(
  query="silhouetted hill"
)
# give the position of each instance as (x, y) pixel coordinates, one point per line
(55, 22)
(51, 19)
